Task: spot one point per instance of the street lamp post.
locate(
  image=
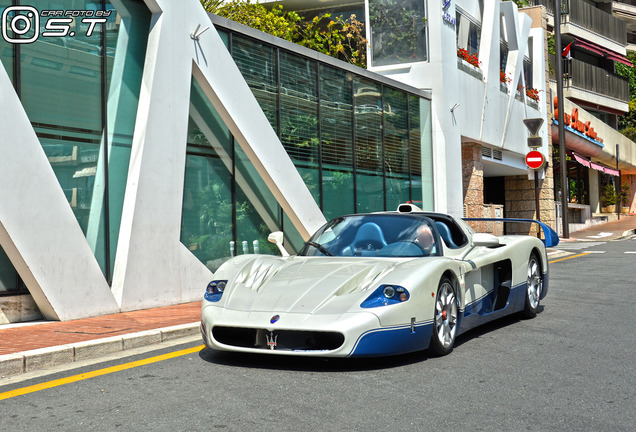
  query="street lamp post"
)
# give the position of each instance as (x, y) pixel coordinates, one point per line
(559, 85)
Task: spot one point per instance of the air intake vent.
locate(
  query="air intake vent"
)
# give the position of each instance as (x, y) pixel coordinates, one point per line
(497, 154)
(486, 152)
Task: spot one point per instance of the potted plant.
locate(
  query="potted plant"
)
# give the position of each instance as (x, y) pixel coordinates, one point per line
(608, 198)
(625, 192)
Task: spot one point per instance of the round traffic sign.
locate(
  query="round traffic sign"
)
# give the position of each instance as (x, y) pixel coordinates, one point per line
(535, 159)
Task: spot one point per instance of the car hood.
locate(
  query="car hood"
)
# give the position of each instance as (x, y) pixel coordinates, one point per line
(305, 284)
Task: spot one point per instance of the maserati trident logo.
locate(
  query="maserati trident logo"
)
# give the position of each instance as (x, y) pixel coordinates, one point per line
(272, 340)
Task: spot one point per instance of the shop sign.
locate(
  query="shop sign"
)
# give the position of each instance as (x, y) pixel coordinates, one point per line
(571, 121)
(446, 16)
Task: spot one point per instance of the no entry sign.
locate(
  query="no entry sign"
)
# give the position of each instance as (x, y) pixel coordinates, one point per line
(535, 160)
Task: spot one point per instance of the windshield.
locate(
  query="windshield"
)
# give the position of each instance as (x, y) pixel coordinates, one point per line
(374, 235)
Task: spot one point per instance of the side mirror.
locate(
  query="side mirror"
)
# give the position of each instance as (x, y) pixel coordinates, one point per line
(277, 239)
(485, 239)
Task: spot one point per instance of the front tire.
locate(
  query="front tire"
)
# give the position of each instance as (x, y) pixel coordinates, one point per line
(445, 318)
(534, 287)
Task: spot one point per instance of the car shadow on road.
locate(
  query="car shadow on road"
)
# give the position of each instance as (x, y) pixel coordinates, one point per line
(318, 364)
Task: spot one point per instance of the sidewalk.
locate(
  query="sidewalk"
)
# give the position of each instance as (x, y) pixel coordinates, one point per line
(607, 231)
(30, 346)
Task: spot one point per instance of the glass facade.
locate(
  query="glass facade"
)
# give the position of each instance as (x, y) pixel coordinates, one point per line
(359, 146)
(80, 91)
(398, 32)
(227, 208)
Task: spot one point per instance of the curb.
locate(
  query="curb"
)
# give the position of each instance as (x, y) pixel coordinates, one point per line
(28, 361)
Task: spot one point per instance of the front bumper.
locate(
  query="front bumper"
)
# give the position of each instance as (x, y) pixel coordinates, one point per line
(355, 334)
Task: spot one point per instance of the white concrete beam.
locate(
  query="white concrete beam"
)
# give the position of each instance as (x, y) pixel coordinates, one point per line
(38, 229)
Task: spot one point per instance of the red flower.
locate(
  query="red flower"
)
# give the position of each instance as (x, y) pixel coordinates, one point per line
(472, 59)
(503, 77)
(533, 94)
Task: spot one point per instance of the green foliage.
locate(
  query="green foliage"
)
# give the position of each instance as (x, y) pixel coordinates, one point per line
(609, 195)
(630, 132)
(339, 38)
(625, 192)
(627, 124)
(399, 30)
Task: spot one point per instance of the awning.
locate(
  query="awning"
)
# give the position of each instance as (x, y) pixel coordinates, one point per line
(582, 161)
(590, 164)
(602, 51)
(597, 167)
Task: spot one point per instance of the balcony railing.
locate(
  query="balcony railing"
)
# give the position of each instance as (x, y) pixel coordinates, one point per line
(584, 76)
(589, 17)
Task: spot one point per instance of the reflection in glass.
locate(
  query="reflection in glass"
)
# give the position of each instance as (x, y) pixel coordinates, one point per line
(421, 141)
(336, 117)
(398, 31)
(367, 96)
(299, 117)
(206, 224)
(396, 153)
(257, 63)
(63, 82)
(257, 211)
(126, 40)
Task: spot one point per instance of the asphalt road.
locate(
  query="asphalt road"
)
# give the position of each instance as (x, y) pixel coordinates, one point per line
(570, 368)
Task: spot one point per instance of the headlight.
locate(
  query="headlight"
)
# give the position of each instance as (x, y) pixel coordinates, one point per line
(214, 291)
(386, 295)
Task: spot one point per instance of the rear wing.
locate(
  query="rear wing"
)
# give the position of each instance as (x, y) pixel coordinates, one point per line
(551, 237)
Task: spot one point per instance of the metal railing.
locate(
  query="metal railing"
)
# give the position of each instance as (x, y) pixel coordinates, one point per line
(584, 76)
(589, 17)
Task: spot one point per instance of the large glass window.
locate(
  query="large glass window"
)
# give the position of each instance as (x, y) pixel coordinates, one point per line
(396, 144)
(227, 208)
(80, 92)
(468, 34)
(398, 31)
(358, 145)
(206, 227)
(336, 122)
(299, 117)
(368, 145)
(421, 158)
(257, 211)
(257, 63)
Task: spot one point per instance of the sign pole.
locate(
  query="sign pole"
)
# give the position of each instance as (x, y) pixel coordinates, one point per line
(559, 84)
(536, 199)
(618, 185)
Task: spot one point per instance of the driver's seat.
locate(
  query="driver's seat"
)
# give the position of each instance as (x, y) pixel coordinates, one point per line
(367, 241)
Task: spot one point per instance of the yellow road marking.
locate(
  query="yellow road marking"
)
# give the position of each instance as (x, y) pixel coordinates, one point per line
(95, 373)
(570, 257)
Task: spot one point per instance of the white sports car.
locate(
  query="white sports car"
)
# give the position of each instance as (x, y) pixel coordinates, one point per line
(373, 285)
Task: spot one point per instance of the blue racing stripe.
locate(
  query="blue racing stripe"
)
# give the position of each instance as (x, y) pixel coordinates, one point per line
(393, 340)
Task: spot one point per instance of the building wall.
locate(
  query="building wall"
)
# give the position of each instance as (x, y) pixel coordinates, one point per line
(470, 103)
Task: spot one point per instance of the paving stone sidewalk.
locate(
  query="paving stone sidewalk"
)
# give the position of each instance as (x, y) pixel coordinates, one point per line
(31, 346)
